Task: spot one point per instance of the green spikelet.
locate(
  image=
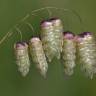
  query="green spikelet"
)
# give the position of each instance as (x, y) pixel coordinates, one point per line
(68, 53)
(51, 36)
(38, 55)
(87, 53)
(22, 58)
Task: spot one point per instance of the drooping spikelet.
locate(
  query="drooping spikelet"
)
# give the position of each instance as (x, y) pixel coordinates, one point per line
(51, 36)
(68, 53)
(22, 58)
(58, 31)
(87, 52)
(38, 55)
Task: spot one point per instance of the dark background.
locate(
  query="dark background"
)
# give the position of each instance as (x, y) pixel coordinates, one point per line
(56, 84)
